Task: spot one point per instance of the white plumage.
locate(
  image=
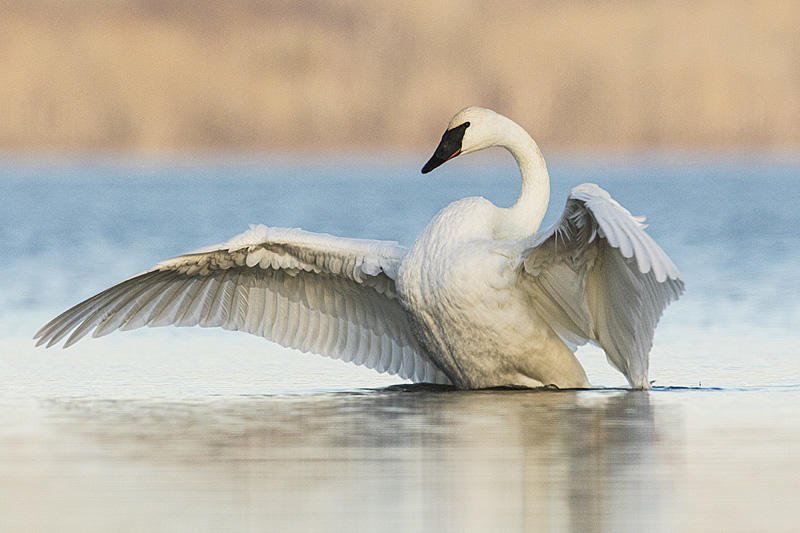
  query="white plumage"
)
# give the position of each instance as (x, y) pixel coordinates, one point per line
(597, 276)
(481, 299)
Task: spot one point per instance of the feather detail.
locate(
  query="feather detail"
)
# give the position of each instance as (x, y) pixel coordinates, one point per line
(313, 292)
(610, 290)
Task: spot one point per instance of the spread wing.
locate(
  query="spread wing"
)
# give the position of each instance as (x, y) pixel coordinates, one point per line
(313, 292)
(597, 276)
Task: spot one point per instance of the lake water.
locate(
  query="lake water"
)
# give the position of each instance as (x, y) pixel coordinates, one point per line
(205, 430)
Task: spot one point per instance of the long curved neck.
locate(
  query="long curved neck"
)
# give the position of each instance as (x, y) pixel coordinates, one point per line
(524, 217)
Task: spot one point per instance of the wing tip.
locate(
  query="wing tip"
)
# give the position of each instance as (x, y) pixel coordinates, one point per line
(39, 341)
(47, 336)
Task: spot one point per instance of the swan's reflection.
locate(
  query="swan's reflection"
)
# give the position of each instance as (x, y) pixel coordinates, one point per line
(501, 460)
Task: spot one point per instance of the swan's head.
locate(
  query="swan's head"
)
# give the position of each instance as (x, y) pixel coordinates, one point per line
(470, 130)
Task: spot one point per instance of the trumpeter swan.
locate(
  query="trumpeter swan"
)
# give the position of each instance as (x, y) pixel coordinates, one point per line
(480, 299)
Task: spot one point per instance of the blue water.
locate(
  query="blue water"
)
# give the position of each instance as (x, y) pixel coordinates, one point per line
(212, 430)
(72, 228)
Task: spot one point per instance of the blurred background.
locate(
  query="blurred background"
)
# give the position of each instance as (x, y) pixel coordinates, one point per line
(151, 76)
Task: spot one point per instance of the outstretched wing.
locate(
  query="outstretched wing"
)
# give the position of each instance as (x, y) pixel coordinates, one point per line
(313, 292)
(597, 276)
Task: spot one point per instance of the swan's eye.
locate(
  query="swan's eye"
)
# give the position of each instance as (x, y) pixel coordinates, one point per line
(456, 134)
(453, 137)
(449, 147)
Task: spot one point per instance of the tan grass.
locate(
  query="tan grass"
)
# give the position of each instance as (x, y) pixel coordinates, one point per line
(151, 75)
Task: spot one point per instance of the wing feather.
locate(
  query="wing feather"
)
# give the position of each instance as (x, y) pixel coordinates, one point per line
(597, 276)
(136, 306)
(313, 292)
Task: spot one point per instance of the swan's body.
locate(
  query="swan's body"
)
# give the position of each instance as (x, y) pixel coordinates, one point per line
(468, 310)
(480, 299)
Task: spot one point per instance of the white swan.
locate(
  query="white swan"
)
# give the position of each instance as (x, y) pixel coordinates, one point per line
(480, 299)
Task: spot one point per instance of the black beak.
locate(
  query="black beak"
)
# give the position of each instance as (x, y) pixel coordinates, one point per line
(449, 147)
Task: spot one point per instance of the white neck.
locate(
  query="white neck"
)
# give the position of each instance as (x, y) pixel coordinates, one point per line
(524, 217)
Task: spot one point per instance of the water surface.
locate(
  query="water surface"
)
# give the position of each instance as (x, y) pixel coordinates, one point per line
(204, 430)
